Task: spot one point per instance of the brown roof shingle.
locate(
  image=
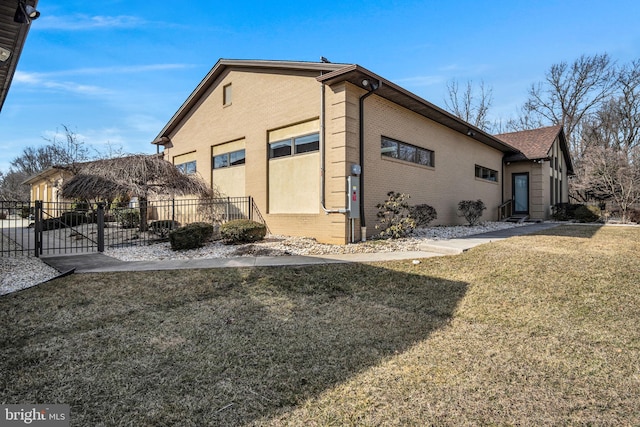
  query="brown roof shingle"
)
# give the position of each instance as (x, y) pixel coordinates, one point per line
(535, 143)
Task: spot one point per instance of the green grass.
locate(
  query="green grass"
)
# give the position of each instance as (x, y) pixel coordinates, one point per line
(533, 330)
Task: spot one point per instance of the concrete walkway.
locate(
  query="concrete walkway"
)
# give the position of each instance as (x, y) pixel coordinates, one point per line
(100, 263)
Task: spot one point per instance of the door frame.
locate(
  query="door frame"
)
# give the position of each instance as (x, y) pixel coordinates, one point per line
(513, 192)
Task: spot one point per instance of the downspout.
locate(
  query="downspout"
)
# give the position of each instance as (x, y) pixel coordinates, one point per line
(322, 151)
(363, 225)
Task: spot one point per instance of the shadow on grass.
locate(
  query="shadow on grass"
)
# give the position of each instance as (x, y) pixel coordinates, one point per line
(211, 347)
(585, 231)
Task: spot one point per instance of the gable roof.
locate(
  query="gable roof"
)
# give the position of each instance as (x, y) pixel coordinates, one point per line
(12, 38)
(534, 144)
(224, 64)
(331, 73)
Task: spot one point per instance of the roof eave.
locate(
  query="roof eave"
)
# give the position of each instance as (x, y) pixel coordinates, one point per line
(354, 74)
(218, 69)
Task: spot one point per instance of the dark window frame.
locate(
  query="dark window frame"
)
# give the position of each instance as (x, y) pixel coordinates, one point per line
(482, 172)
(410, 153)
(185, 167)
(228, 163)
(292, 144)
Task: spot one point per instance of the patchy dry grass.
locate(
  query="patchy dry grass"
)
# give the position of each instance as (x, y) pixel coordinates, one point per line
(534, 330)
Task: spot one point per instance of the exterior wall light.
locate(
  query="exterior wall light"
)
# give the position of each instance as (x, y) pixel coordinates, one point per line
(25, 13)
(4, 54)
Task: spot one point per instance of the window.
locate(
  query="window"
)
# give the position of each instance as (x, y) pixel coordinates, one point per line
(187, 168)
(486, 173)
(307, 144)
(407, 152)
(298, 145)
(226, 94)
(225, 160)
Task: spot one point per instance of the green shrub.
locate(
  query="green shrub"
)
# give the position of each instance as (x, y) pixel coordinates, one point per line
(423, 214)
(394, 217)
(242, 231)
(25, 211)
(471, 210)
(128, 218)
(634, 215)
(564, 211)
(585, 214)
(163, 227)
(190, 236)
(3, 215)
(71, 219)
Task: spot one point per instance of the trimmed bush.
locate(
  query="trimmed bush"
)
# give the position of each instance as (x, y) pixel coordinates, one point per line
(564, 211)
(190, 236)
(634, 215)
(71, 219)
(394, 217)
(471, 210)
(242, 231)
(586, 214)
(128, 218)
(163, 227)
(3, 215)
(423, 214)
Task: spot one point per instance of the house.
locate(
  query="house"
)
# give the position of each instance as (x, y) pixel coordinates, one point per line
(537, 176)
(317, 145)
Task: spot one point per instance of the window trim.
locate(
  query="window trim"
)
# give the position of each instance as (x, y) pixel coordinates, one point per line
(228, 162)
(292, 146)
(481, 175)
(398, 151)
(184, 167)
(227, 98)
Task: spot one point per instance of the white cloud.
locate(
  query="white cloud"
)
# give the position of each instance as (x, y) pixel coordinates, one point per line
(81, 22)
(43, 81)
(416, 81)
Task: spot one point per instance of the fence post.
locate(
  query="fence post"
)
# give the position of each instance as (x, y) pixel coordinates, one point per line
(37, 228)
(250, 201)
(100, 221)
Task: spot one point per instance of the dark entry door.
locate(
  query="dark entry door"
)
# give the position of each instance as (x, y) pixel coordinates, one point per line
(520, 186)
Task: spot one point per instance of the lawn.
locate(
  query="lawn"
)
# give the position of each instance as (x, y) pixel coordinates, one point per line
(534, 330)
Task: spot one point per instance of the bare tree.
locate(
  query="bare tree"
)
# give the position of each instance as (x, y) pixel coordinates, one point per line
(11, 187)
(470, 105)
(139, 175)
(67, 151)
(607, 174)
(570, 93)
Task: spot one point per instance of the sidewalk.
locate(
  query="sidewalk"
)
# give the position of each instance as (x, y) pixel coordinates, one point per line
(100, 263)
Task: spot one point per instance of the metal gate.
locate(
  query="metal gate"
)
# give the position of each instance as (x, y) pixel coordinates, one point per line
(51, 228)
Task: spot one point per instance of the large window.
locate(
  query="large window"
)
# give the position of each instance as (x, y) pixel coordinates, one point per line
(187, 167)
(407, 152)
(226, 160)
(486, 173)
(298, 145)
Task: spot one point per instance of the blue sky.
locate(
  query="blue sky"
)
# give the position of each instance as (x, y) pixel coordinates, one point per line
(115, 71)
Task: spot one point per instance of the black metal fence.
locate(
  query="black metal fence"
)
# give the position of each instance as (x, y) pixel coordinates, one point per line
(62, 228)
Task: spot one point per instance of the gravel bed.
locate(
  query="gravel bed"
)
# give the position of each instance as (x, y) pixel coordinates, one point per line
(275, 245)
(22, 271)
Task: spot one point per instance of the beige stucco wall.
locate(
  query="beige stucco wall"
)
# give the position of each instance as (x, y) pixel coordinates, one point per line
(261, 103)
(443, 186)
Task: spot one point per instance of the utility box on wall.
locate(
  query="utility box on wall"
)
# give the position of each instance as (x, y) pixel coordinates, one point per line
(353, 197)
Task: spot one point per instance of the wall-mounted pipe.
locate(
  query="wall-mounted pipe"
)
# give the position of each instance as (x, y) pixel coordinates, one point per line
(372, 88)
